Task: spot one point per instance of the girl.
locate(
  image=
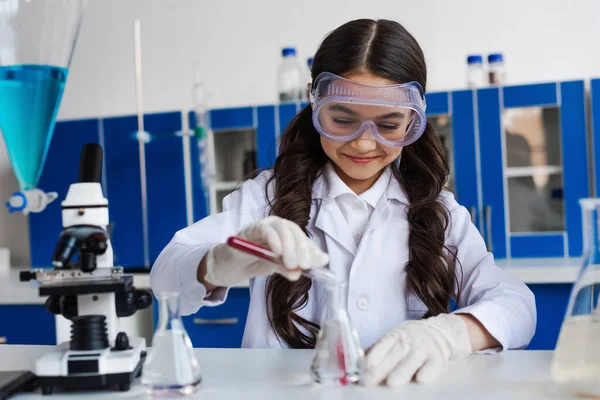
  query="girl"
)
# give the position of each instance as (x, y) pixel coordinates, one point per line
(358, 184)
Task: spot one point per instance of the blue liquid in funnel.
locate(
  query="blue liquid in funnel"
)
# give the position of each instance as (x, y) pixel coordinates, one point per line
(29, 100)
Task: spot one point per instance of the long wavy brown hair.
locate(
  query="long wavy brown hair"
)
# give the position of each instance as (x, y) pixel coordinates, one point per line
(387, 49)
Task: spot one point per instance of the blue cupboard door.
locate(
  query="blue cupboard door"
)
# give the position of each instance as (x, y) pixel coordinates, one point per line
(59, 172)
(551, 301)
(595, 139)
(122, 164)
(439, 116)
(266, 137)
(29, 324)
(222, 326)
(286, 112)
(467, 164)
(165, 187)
(165, 176)
(451, 114)
(215, 327)
(534, 168)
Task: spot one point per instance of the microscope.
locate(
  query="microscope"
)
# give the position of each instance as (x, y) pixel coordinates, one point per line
(91, 293)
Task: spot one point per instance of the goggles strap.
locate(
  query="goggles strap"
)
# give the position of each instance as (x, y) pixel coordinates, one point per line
(397, 160)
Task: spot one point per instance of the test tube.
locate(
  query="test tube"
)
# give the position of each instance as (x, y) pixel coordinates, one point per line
(257, 250)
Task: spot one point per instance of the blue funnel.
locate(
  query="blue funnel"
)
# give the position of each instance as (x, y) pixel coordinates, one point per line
(29, 100)
(37, 39)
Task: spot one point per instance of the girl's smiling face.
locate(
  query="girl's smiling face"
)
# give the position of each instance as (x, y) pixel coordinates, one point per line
(360, 161)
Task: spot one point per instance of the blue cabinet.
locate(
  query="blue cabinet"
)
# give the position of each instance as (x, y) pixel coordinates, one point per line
(533, 151)
(594, 100)
(217, 327)
(27, 324)
(221, 326)
(452, 115)
(551, 302)
(60, 170)
(122, 185)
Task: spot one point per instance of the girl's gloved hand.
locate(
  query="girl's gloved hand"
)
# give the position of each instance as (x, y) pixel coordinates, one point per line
(417, 349)
(226, 266)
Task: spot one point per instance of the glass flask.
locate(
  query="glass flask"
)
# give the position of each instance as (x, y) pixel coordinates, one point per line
(576, 363)
(171, 367)
(339, 357)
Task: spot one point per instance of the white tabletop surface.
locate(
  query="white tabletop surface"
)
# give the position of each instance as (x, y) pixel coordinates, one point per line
(542, 270)
(244, 374)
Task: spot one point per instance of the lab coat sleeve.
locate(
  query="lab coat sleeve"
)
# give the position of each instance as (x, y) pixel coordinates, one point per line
(502, 303)
(176, 267)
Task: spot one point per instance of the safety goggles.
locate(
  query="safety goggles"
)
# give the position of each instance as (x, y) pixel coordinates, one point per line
(344, 109)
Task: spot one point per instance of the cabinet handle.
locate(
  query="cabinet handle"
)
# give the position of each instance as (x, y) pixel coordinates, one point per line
(215, 321)
(472, 210)
(2, 339)
(488, 224)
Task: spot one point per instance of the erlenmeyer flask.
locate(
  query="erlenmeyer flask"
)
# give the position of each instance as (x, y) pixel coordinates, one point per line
(171, 367)
(339, 357)
(576, 364)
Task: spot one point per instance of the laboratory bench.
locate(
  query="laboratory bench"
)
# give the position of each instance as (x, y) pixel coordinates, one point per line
(24, 319)
(284, 374)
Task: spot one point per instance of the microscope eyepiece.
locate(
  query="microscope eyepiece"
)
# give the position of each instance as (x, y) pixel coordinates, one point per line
(90, 163)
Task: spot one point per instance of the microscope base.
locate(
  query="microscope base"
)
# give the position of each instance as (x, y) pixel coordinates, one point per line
(91, 370)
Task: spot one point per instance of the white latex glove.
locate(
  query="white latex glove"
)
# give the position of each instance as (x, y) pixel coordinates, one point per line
(419, 349)
(226, 266)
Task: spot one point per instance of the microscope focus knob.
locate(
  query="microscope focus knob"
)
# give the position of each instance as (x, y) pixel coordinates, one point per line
(121, 342)
(143, 299)
(26, 276)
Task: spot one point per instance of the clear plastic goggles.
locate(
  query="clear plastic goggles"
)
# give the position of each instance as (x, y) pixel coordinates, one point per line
(344, 109)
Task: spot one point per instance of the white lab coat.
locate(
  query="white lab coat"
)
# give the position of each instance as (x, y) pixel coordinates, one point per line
(377, 297)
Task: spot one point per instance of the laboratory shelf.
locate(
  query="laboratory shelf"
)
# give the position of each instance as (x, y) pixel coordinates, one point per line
(517, 172)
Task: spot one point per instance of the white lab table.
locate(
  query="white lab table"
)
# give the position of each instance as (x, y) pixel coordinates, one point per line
(283, 374)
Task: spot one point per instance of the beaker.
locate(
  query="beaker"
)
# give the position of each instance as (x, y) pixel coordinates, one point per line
(171, 367)
(576, 363)
(339, 357)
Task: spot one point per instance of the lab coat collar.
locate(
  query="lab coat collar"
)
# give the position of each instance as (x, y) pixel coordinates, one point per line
(323, 192)
(329, 218)
(376, 192)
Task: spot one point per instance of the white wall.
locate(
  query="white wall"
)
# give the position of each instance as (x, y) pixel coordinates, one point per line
(238, 44)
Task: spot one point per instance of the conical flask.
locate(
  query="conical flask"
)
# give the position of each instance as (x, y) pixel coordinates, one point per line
(37, 39)
(171, 367)
(339, 357)
(576, 363)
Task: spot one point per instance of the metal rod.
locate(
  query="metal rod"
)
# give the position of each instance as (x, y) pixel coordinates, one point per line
(488, 223)
(140, 136)
(187, 168)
